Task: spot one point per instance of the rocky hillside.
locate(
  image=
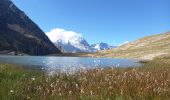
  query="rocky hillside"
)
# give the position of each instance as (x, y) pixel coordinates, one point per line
(145, 48)
(19, 34)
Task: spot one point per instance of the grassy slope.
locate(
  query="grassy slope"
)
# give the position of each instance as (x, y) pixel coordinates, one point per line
(152, 81)
(147, 48)
(14, 78)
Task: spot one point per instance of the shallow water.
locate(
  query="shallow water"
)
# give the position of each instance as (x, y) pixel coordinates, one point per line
(67, 64)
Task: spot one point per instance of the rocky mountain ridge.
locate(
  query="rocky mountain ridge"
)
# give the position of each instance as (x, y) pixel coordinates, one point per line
(18, 33)
(80, 45)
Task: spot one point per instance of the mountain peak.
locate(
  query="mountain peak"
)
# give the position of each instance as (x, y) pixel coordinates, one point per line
(81, 45)
(101, 46)
(78, 45)
(19, 33)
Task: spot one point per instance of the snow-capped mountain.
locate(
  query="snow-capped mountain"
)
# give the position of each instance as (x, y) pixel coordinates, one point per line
(73, 42)
(79, 45)
(101, 46)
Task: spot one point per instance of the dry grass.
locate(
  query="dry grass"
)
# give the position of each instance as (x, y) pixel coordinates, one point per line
(145, 48)
(99, 84)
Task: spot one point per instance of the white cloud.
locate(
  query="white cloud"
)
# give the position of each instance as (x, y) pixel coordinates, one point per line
(64, 35)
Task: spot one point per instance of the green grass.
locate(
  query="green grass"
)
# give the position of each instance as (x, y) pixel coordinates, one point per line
(152, 81)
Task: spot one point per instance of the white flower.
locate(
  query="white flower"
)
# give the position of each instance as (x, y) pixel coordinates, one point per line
(70, 92)
(28, 97)
(77, 86)
(82, 91)
(33, 79)
(91, 92)
(11, 91)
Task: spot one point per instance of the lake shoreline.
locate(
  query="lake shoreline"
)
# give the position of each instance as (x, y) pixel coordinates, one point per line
(113, 83)
(53, 64)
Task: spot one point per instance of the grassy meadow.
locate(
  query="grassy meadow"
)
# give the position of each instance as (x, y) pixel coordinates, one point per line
(149, 82)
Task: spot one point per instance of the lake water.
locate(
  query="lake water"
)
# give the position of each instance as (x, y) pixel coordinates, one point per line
(67, 64)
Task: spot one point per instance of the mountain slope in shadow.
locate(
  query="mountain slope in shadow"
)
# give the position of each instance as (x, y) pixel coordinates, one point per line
(19, 33)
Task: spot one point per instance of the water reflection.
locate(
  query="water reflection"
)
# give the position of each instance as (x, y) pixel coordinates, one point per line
(67, 64)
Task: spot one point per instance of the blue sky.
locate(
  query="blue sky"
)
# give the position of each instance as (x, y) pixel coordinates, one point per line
(110, 21)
